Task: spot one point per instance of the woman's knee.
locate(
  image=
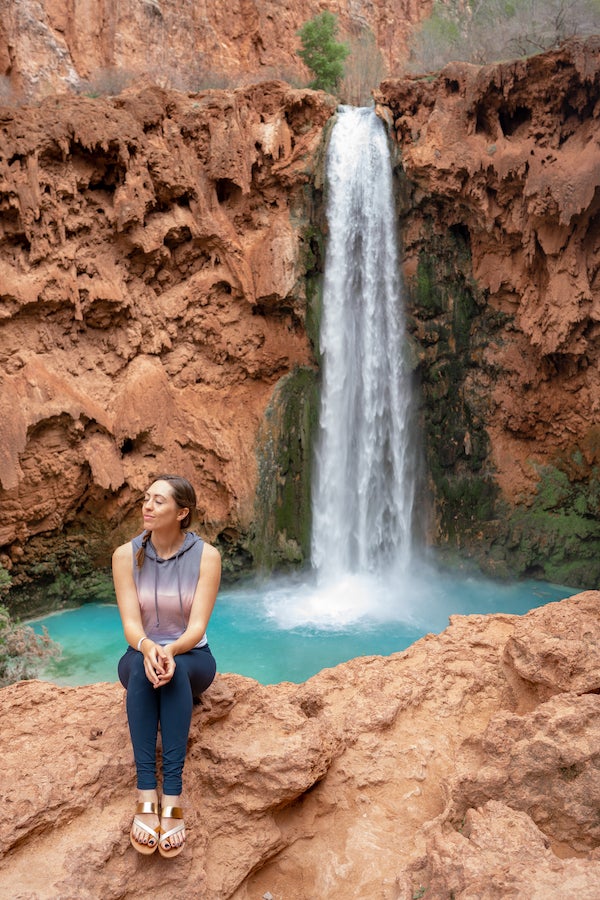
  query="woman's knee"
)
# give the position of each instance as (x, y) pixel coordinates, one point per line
(131, 667)
(203, 669)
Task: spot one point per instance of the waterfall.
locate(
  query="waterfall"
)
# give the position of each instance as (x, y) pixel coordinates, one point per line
(364, 479)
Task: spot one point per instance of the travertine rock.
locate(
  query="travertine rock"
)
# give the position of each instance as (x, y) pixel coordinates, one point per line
(153, 254)
(48, 45)
(507, 158)
(152, 250)
(437, 768)
(557, 654)
(499, 854)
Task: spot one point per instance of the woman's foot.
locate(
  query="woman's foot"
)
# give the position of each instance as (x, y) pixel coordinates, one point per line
(145, 828)
(172, 829)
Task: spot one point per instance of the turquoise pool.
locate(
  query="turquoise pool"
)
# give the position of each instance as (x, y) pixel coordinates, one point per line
(288, 630)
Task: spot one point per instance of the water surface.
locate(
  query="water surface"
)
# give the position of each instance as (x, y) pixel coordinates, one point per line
(288, 630)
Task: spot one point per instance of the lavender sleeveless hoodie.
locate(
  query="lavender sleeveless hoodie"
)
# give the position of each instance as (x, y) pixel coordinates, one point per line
(166, 588)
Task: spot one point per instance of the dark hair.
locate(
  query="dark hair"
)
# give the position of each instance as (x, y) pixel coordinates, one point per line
(184, 495)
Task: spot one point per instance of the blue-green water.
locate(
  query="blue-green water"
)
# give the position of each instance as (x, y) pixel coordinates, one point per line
(289, 630)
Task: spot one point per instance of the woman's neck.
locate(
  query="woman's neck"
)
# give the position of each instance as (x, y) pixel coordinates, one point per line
(167, 545)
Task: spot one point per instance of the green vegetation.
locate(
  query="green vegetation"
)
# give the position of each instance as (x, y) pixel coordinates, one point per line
(483, 31)
(283, 507)
(322, 53)
(557, 536)
(22, 652)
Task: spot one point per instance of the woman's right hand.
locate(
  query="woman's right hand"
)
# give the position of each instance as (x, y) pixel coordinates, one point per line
(155, 662)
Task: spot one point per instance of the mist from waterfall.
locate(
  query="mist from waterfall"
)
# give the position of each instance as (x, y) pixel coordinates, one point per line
(364, 469)
(369, 574)
(364, 474)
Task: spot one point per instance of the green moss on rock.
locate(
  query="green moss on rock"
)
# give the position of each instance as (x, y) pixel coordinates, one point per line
(557, 537)
(283, 502)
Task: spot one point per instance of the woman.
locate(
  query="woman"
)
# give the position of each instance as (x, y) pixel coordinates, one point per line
(166, 581)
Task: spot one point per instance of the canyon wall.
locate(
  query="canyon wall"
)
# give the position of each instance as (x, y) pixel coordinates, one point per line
(500, 216)
(155, 254)
(159, 263)
(54, 45)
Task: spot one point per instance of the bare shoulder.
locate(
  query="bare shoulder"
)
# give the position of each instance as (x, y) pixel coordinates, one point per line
(211, 551)
(122, 553)
(211, 558)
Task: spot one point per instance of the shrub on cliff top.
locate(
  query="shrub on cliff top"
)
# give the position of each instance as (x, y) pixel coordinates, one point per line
(483, 31)
(323, 55)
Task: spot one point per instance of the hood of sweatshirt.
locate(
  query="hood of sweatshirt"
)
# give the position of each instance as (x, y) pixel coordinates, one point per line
(173, 563)
(188, 542)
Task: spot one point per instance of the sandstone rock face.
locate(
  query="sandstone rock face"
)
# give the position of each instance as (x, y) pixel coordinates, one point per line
(436, 771)
(154, 254)
(151, 284)
(501, 229)
(49, 45)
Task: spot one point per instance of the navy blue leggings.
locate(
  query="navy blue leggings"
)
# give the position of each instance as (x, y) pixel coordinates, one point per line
(170, 706)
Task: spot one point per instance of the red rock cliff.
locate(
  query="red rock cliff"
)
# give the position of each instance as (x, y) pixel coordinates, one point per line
(49, 45)
(153, 254)
(501, 225)
(151, 265)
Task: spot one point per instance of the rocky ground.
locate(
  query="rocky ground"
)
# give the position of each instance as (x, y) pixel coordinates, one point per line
(464, 767)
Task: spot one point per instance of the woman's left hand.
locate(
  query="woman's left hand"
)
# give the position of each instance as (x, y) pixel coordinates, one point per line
(168, 666)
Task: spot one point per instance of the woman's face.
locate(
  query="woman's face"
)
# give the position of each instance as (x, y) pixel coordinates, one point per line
(159, 508)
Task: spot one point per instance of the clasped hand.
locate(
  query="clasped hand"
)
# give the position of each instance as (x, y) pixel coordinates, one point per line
(159, 664)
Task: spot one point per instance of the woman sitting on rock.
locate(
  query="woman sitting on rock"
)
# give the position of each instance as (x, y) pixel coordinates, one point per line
(166, 582)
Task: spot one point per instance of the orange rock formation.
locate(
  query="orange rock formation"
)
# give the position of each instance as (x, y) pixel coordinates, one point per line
(466, 765)
(154, 249)
(152, 295)
(503, 162)
(50, 45)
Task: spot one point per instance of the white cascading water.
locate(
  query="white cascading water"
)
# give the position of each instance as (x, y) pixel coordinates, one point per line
(364, 480)
(364, 474)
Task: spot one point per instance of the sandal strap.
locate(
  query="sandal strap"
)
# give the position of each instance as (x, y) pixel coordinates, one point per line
(155, 833)
(167, 834)
(171, 812)
(147, 808)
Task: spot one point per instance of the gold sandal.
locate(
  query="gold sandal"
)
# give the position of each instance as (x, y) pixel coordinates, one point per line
(171, 812)
(145, 809)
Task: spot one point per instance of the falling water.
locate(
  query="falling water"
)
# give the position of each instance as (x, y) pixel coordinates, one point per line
(364, 481)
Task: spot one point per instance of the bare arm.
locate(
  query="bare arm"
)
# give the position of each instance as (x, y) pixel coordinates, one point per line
(127, 598)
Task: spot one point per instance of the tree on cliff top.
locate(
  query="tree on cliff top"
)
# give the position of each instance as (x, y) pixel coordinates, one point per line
(323, 55)
(483, 31)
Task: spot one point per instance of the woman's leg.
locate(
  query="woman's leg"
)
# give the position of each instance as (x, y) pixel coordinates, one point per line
(142, 714)
(194, 672)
